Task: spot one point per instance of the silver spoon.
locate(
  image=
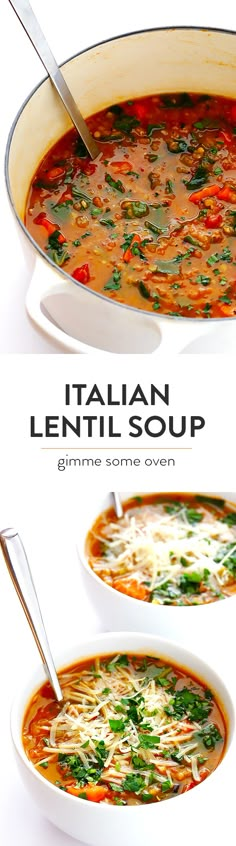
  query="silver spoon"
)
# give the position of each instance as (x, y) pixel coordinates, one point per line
(19, 570)
(118, 505)
(31, 26)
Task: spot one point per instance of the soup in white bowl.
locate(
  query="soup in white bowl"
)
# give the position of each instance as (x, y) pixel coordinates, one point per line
(194, 700)
(165, 566)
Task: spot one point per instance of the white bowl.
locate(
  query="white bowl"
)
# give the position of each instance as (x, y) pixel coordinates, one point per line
(103, 825)
(191, 624)
(76, 318)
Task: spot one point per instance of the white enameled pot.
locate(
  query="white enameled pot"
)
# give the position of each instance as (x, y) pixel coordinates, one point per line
(100, 824)
(75, 318)
(193, 625)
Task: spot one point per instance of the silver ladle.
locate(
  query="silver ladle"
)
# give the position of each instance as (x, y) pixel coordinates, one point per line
(31, 26)
(118, 505)
(20, 573)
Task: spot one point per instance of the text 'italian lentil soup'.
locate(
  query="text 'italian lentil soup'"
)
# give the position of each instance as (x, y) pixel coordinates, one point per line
(152, 221)
(167, 549)
(134, 730)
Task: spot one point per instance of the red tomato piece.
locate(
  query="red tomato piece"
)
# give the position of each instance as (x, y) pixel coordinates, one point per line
(54, 174)
(203, 774)
(88, 167)
(139, 110)
(233, 113)
(128, 253)
(212, 221)
(82, 274)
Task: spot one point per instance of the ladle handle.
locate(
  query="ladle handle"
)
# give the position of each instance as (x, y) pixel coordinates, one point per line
(19, 570)
(31, 26)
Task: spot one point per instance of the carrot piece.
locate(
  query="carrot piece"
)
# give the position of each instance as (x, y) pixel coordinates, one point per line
(121, 167)
(42, 220)
(128, 253)
(203, 193)
(75, 791)
(93, 792)
(131, 588)
(227, 193)
(96, 792)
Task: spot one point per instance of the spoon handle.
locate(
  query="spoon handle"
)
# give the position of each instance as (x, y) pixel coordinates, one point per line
(19, 570)
(31, 26)
(118, 505)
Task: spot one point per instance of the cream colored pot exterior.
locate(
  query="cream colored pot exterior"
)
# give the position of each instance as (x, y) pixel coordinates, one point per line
(184, 624)
(76, 318)
(103, 825)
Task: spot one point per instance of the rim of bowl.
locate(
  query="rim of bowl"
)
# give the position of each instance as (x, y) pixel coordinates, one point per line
(224, 701)
(123, 597)
(36, 247)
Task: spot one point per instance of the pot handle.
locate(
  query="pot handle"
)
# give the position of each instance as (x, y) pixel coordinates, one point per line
(176, 334)
(44, 282)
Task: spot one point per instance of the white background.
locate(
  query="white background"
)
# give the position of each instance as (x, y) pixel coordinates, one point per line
(45, 507)
(69, 27)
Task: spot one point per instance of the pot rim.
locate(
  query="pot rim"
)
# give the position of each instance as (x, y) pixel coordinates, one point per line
(36, 247)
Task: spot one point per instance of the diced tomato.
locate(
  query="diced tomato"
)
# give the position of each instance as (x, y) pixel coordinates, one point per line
(233, 113)
(212, 221)
(226, 309)
(203, 774)
(67, 195)
(88, 167)
(42, 220)
(140, 111)
(82, 274)
(122, 167)
(55, 174)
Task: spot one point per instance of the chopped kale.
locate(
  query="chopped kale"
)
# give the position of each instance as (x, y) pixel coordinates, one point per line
(114, 284)
(126, 123)
(199, 178)
(210, 735)
(148, 741)
(117, 725)
(187, 703)
(133, 783)
(229, 518)
(176, 101)
(114, 183)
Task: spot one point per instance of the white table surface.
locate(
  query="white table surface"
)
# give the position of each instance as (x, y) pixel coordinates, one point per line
(68, 30)
(69, 618)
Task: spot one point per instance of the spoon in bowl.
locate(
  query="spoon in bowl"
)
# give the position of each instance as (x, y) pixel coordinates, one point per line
(18, 567)
(31, 26)
(118, 505)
